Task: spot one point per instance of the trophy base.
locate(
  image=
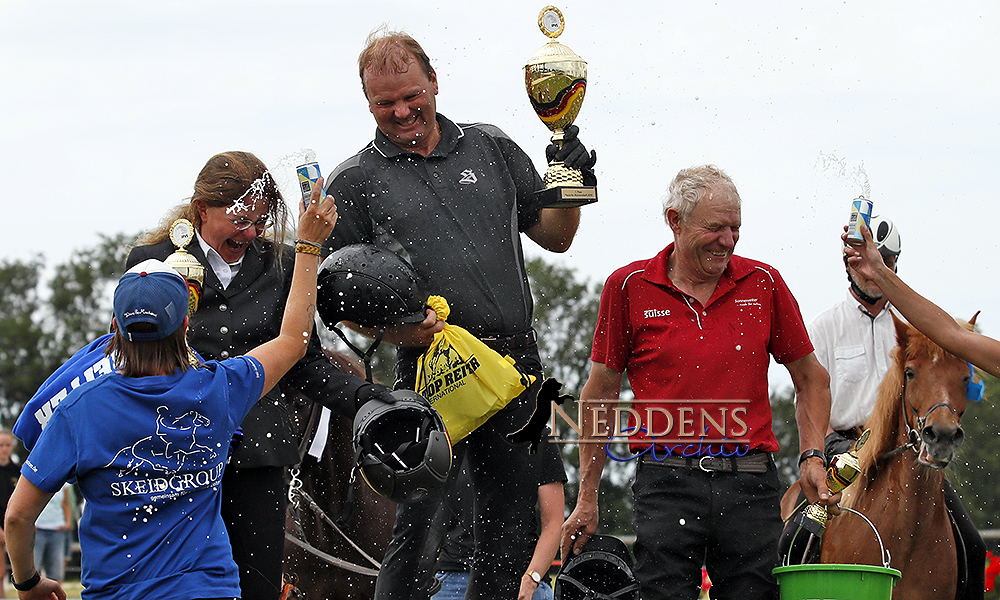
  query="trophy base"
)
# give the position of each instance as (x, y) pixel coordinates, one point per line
(567, 196)
(808, 522)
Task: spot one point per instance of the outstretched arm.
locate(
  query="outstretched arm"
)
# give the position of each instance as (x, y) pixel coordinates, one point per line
(604, 384)
(278, 355)
(927, 317)
(556, 227)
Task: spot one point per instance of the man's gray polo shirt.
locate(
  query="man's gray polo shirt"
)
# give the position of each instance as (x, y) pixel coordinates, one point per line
(454, 215)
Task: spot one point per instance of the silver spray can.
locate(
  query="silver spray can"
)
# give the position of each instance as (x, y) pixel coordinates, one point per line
(308, 174)
(861, 213)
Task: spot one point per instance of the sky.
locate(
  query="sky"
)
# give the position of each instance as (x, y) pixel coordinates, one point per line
(108, 110)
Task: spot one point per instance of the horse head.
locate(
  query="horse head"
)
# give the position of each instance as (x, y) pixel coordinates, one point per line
(933, 391)
(919, 407)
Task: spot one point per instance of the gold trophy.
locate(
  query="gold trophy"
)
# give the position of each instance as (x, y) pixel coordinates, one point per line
(182, 261)
(556, 79)
(843, 470)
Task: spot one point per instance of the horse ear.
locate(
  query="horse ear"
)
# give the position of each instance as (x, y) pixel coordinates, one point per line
(902, 330)
(972, 321)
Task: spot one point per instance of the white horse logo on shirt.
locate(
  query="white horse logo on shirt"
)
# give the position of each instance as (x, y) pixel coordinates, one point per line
(174, 446)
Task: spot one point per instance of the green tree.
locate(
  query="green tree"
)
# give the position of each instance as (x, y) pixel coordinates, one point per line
(43, 323)
(566, 309)
(23, 343)
(81, 293)
(787, 433)
(565, 315)
(974, 472)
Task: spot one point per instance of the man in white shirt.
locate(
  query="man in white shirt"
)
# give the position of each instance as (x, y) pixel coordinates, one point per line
(854, 340)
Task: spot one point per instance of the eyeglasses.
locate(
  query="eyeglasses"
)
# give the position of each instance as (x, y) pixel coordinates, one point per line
(243, 223)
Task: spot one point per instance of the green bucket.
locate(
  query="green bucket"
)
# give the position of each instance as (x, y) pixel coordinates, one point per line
(836, 582)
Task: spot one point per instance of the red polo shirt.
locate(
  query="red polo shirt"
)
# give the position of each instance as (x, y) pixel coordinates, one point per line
(699, 372)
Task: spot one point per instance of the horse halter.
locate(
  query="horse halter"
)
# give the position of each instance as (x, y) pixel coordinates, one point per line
(973, 391)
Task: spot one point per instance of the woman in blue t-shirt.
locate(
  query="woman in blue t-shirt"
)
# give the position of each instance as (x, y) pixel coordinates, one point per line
(148, 443)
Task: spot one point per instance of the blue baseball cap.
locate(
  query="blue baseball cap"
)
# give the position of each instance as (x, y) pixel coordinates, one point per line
(151, 292)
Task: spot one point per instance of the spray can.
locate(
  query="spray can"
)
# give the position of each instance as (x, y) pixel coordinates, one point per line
(308, 174)
(861, 213)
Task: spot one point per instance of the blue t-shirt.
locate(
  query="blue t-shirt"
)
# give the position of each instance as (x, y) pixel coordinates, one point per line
(86, 365)
(149, 454)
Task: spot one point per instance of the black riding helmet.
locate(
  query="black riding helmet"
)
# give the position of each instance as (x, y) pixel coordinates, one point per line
(370, 286)
(402, 449)
(602, 571)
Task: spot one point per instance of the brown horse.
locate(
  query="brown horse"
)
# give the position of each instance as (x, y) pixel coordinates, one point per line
(364, 517)
(915, 431)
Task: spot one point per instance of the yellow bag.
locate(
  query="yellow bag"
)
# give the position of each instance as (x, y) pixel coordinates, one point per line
(466, 380)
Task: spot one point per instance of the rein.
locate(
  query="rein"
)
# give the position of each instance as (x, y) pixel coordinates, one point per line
(296, 496)
(295, 491)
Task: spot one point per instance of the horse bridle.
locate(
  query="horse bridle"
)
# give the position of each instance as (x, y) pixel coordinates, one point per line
(298, 496)
(295, 493)
(913, 435)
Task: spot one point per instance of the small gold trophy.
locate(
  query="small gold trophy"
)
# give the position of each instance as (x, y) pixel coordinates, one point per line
(182, 261)
(556, 79)
(843, 470)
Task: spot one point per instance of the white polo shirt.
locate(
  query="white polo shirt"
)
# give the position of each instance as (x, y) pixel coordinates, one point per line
(856, 350)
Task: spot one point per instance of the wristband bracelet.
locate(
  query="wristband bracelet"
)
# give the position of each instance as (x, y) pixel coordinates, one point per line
(313, 244)
(811, 453)
(28, 583)
(307, 249)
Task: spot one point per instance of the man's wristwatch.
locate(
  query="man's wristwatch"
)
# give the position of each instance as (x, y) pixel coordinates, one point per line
(28, 583)
(811, 453)
(535, 576)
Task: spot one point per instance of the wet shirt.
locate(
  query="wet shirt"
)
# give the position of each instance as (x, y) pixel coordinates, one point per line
(235, 319)
(454, 215)
(856, 349)
(149, 454)
(700, 372)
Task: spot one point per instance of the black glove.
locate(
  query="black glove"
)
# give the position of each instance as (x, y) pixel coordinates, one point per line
(572, 153)
(373, 391)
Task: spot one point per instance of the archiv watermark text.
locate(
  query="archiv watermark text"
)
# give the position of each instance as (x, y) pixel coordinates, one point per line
(659, 428)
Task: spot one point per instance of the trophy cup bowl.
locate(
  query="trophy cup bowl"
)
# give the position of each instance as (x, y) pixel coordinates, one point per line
(182, 261)
(556, 80)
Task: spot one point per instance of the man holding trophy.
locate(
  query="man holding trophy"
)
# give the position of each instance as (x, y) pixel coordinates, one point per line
(452, 200)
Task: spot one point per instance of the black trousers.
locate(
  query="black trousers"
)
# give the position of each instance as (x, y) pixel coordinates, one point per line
(685, 518)
(253, 508)
(506, 490)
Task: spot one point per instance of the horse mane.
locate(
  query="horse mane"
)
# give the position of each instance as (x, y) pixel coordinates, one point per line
(885, 422)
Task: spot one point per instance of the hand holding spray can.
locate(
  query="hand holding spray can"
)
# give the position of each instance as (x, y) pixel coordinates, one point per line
(861, 213)
(308, 174)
